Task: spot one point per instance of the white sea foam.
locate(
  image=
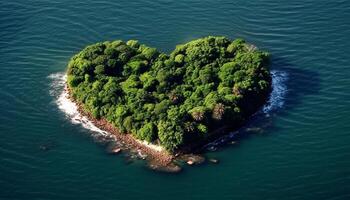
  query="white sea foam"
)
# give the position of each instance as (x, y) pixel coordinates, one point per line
(278, 93)
(57, 84)
(275, 101)
(69, 108)
(59, 91)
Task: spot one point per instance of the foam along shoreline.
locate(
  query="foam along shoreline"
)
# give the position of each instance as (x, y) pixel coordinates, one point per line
(278, 93)
(275, 101)
(158, 158)
(71, 110)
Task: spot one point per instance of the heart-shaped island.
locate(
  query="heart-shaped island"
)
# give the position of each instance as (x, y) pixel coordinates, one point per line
(202, 90)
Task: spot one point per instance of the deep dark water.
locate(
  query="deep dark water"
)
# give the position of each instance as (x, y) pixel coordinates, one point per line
(300, 152)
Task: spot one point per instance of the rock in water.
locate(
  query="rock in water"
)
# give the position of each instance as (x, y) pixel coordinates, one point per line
(116, 150)
(190, 162)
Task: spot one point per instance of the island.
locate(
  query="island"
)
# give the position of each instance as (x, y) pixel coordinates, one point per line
(178, 101)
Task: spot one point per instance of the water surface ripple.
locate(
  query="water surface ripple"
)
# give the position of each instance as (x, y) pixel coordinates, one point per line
(298, 151)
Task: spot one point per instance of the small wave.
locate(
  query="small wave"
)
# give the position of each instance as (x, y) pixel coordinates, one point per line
(275, 102)
(57, 84)
(59, 91)
(278, 93)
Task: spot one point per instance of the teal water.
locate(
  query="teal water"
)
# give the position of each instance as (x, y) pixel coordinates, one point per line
(302, 150)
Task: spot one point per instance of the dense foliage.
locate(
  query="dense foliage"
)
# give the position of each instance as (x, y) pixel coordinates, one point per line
(174, 99)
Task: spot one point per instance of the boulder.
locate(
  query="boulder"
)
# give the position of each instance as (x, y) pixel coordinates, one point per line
(190, 162)
(116, 150)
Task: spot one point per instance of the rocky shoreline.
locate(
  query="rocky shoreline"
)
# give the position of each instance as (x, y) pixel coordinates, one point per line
(157, 158)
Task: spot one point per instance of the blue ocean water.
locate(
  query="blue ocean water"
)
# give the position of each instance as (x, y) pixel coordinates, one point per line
(299, 151)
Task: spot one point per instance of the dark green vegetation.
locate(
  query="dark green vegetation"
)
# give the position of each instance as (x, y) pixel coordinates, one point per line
(176, 99)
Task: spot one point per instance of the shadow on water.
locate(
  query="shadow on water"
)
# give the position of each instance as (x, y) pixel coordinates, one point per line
(299, 83)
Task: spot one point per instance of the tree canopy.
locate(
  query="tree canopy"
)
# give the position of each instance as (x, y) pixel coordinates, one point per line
(174, 99)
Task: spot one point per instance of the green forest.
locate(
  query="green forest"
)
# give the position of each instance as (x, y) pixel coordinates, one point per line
(171, 99)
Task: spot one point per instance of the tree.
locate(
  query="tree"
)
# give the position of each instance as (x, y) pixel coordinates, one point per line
(179, 58)
(170, 135)
(202, 129)
(161, 107)
(218, 111)
(127, 123)
(198, 113)
(130, 84)
(133, 43)
(99, 70)
(147, 132)
(150, 53)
